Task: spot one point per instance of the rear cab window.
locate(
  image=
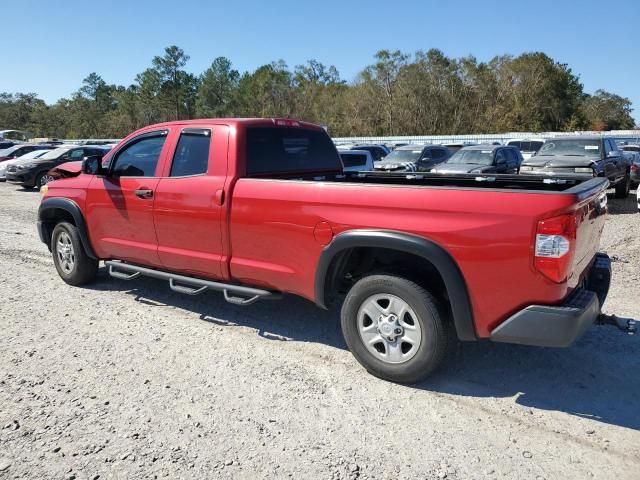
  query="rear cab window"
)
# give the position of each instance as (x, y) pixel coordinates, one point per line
(278, 150)
(192, 153)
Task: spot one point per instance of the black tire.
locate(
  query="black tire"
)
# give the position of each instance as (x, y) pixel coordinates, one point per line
(435, 329)
(38, 180)
(623, 187)
(82, 269)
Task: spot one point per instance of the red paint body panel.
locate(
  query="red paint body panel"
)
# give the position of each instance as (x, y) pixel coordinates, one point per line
(270, 233)
(489, 234)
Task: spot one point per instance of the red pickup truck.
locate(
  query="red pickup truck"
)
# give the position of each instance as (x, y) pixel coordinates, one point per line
(259, 207)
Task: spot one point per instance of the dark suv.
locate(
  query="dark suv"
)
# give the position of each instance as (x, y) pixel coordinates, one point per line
(582, 155)
(378, 152)
(413, 158)
(482, 159)
(34, 172)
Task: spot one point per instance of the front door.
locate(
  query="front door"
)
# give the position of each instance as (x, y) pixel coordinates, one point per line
(120, 204)
(189, 209)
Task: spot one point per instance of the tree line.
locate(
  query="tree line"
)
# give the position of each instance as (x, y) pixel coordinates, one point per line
(426, 93)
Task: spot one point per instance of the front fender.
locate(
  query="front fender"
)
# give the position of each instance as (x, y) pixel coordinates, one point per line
(56, 208)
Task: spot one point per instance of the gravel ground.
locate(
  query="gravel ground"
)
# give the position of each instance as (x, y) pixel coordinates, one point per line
(130, 380)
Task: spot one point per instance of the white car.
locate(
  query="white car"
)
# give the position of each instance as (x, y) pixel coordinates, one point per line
(356, 160)
(31, 155)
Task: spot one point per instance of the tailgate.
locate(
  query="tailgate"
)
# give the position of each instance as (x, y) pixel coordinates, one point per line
(591, 212)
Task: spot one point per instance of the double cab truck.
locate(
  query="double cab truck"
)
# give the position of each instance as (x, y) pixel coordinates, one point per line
(257, 208)
(583, 155)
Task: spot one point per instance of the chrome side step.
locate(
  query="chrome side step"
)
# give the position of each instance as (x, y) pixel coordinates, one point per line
(236, 294)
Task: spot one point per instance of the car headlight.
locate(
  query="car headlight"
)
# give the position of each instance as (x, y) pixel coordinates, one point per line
(525, 168)
(27, 166)
(588, 170)
(44, 189)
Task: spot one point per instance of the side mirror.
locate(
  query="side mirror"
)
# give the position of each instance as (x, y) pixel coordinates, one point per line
(501, 161)
(92, 165)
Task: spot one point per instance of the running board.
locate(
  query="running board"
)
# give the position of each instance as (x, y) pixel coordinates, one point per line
(236, 294)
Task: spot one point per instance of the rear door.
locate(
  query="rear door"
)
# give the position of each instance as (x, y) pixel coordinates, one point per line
(120, 205)
(190, 202)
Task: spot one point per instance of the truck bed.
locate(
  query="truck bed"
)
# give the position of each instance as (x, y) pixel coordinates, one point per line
(575, 184)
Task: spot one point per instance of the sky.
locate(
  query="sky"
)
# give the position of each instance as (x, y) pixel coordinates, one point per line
(50, 46)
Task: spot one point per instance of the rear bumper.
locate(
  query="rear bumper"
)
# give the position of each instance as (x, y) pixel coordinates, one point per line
(560, 325)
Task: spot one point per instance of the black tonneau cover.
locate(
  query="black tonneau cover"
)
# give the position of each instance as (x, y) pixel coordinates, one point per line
(584, 185)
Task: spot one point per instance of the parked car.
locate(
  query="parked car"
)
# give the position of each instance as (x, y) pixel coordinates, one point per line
(279, 216)
(32, 173)
(413, 158)
(528, 147)
(378, 152)
(31, 155)
(356, 160)
(19, 150)
(393, 145)
(455, 146)
(635, 162)
(4, 144)
(482, 159)
(582, 155)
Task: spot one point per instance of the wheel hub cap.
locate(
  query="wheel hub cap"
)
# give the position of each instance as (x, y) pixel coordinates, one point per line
(389, 328)
(65, 253)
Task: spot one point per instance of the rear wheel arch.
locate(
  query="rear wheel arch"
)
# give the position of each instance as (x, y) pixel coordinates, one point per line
(55, 210)
(335, 257)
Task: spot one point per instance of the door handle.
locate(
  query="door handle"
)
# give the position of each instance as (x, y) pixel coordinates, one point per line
(219, 197)
(144, 193)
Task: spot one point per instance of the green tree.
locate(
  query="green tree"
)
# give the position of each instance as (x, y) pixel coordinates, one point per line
(217, 89)
(607, 111)
(177, 86)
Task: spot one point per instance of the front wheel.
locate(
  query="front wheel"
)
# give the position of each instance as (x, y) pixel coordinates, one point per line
(623, 187)
(74, 266)
(394, 328)
(42, 179)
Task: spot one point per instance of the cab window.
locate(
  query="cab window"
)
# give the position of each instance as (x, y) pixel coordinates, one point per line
(192, 153)
(140, 157)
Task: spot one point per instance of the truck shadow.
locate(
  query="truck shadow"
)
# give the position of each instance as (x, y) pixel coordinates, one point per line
(619, 206)
(596, 379)
(289, 319)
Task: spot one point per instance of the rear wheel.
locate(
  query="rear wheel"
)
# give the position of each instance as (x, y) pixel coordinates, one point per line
(623, 187)
(74, 266)
(394, 328)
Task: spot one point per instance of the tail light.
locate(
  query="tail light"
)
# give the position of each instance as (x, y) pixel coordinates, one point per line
(634, 167)
(555, 246)
(285, 122)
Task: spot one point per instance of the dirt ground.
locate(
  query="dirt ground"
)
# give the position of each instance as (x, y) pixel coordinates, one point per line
(130, 380)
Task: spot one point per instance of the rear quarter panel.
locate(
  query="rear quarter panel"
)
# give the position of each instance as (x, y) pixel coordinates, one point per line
(489, 234)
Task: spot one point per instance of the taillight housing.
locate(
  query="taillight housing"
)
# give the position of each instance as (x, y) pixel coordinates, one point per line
(555, 246)
(285, 122)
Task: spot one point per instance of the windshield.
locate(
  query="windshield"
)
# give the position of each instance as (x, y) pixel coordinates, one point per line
(9, 151)
(472, 157)
(403, 156)
(55, 153)
(570, 147)
(33, 154)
